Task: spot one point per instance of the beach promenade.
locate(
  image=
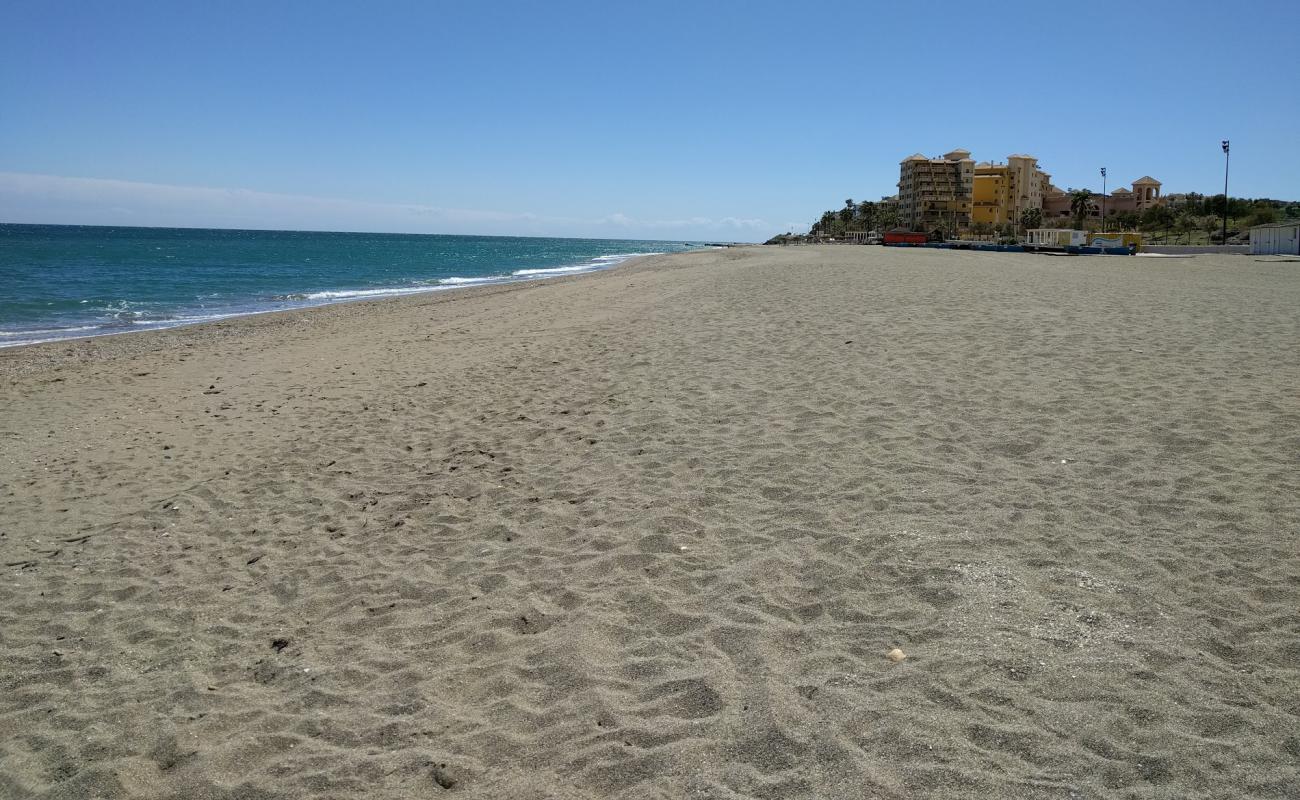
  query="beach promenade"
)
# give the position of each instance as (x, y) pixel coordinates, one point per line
(651, 532)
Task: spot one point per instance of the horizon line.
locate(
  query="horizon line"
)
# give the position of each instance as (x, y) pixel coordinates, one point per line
(36, 198)
(355, 232)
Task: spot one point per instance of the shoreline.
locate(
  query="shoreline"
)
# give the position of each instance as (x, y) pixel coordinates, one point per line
(360, 295)
(659, 530)
(284, 314)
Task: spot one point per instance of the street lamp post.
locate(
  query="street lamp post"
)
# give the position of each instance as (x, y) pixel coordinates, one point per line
(1103, 199)
(1225, 191)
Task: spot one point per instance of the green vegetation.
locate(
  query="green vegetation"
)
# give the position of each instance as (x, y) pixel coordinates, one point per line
(1183, 219)
(1196, 219)
(1080, 206)
(865, 216)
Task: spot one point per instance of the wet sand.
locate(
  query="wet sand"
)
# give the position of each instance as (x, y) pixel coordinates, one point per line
(650, 533)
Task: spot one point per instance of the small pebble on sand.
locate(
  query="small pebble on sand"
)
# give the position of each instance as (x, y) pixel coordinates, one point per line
(896, 655)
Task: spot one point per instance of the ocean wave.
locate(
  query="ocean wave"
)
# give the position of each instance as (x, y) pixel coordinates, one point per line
(14, 338)
(454, 281)
(591, 265)
(350, 294)
(22, 342)
(554, 270)
(43, 331)
(190, 320)
(597, 263)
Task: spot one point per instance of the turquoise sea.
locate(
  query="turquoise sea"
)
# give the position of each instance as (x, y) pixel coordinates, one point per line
(66, 281)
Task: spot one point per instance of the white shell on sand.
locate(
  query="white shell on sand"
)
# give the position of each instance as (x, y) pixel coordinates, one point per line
(896, 655)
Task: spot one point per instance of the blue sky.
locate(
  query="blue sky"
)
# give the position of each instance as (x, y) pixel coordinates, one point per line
(693, 120)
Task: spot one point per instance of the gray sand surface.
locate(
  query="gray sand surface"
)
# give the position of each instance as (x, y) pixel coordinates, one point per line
(650, 533)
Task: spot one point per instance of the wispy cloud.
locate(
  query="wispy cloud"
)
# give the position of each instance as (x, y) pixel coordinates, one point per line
(737, 223)
(96, 201)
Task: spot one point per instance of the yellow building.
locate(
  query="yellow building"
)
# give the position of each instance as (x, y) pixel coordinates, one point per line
(989, 202)
(1002, 192)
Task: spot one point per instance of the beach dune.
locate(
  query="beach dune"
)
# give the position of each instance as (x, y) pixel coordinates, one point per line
(654, 533)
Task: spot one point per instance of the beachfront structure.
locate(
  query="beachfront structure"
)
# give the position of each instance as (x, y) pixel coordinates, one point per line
(1115, 240)
(1056, 203)
(1002, 192)
(1144, 194)
(1276, 239)
(935, 193)
(1056, 237)
(952, 192)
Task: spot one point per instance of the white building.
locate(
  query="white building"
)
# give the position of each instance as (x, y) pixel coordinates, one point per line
(1276, 238)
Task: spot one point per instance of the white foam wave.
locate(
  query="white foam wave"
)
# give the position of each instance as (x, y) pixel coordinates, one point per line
(42, 331)
(468, 281)
(173, 321)
(553, 270)
(599, 262)
(349, 294)
(42, 335)
(22, 342)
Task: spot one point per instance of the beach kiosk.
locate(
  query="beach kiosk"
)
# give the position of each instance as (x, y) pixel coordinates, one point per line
(1057, 237)
(1116, 241)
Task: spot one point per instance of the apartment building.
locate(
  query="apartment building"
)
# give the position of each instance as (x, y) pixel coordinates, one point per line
(952, 192)
(1002, 192)
(935, 193)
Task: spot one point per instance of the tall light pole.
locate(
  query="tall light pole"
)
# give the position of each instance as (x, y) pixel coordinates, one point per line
(1103, 199)
(1225, 191)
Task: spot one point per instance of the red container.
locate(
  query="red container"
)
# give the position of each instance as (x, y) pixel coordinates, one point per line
(904, 237)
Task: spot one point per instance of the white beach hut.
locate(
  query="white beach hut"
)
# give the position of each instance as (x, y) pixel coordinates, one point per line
(1056, 237)
(1276, 238)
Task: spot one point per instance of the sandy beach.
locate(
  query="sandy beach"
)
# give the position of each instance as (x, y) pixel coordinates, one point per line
(652, 532)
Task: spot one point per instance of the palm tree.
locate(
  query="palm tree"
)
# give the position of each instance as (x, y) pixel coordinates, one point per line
(886, 217)
(846, 213)
(1081, 205)
(1031, 218)
(867, 213)
(824, 225)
